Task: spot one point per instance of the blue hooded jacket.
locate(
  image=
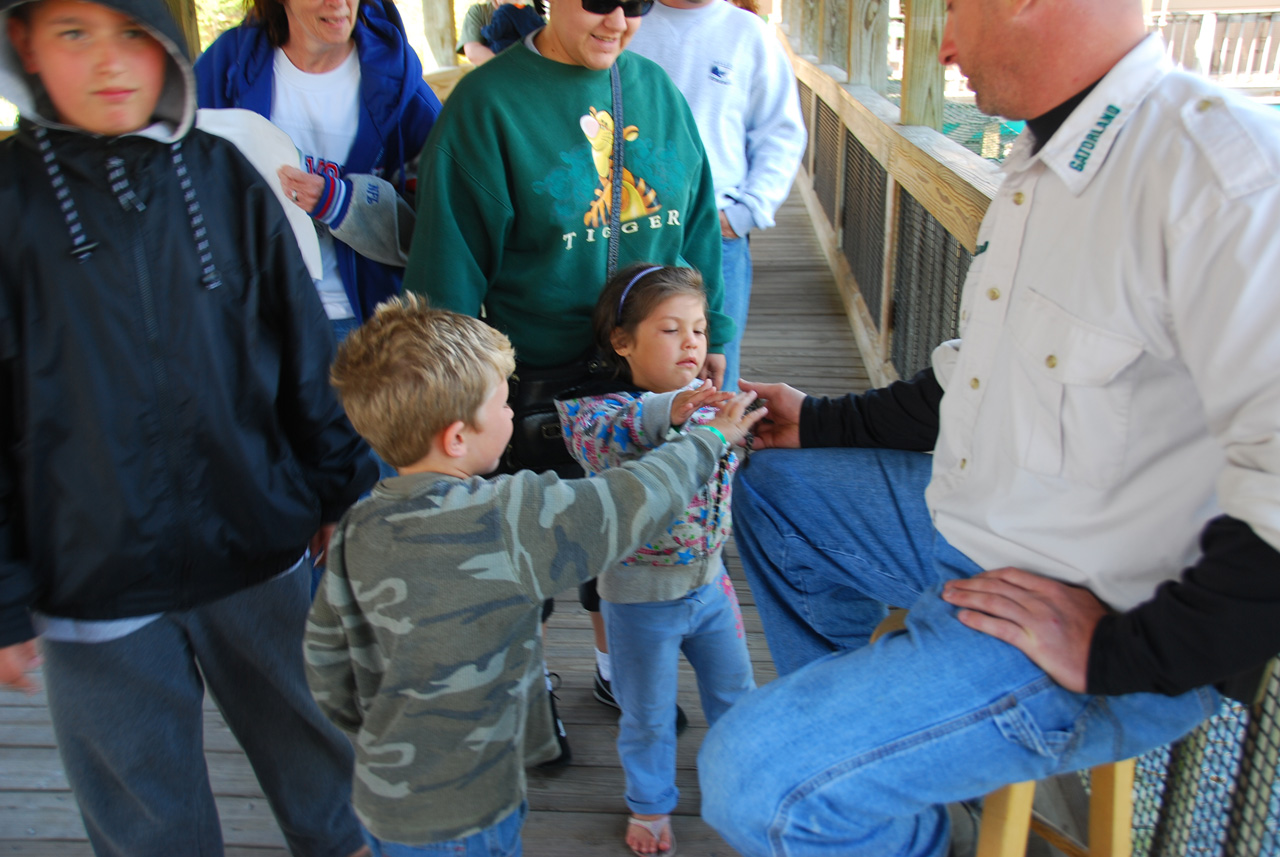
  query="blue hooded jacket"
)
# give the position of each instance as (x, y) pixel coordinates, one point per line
(397, 112)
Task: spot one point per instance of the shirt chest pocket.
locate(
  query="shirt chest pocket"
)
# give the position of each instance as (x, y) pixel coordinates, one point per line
(1070, 398)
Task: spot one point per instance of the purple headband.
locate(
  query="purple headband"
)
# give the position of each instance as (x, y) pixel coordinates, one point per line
(646, 272)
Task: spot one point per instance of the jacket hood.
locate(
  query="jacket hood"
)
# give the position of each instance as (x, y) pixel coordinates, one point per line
(176, 106)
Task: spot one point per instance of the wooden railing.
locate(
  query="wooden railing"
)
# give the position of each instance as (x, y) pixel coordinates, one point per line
(864, 165)
(1240, 50)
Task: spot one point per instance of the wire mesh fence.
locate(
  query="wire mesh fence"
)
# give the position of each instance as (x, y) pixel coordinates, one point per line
(1214, 793)
(862, 222)
(929, 272)
(826, 159)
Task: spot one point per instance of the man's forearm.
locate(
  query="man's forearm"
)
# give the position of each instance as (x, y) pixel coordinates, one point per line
(903, 415)
(1218, 625)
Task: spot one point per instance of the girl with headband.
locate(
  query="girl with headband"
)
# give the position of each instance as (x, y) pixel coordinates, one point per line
(672, 595)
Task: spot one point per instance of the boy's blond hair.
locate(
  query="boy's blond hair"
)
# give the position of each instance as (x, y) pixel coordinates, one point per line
(410, 371)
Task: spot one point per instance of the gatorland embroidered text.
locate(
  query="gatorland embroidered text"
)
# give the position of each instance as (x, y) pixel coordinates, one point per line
(1090, 141)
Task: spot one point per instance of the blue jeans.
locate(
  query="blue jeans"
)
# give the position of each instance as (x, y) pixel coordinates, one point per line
(736, 265)
(129, 720)
(933, 714)
(500, 840)
(645, 641)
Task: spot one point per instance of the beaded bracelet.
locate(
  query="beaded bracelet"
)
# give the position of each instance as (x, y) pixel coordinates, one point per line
(718, 433)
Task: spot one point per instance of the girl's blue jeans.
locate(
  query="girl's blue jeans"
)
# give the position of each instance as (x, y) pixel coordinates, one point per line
(645, 642)
(500, 840)
(856, 748)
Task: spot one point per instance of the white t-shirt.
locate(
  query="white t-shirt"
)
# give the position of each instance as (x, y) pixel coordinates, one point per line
(320, 113)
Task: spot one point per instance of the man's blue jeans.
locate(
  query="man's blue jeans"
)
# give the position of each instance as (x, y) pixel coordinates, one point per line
(856, 748)
(736, 265)
(645, 642)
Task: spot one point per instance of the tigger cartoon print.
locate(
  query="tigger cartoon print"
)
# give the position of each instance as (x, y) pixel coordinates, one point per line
(638, 199)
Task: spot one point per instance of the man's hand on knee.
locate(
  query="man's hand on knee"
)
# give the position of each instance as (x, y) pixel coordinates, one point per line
(1052, 623)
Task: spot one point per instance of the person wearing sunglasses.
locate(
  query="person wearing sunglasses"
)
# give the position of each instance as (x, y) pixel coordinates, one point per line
(518, 186)
(517, 210)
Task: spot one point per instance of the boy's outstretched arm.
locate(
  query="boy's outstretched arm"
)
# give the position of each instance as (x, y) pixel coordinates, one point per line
(604, 431)
(572, 530)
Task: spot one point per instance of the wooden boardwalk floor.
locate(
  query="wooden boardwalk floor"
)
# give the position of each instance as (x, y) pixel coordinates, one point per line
(798, 333)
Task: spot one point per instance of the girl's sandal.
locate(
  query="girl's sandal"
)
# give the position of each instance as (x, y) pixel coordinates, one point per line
(655, 829)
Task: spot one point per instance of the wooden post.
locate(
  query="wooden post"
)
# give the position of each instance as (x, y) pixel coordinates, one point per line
(819, 50)
(184, 12)
(922, 75)
(869, 44)
(1206, 43)
(1006, 819)
(437, 21)
(1111, 810)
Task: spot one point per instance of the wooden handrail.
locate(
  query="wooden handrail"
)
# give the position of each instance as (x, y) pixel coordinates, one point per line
(952, 183)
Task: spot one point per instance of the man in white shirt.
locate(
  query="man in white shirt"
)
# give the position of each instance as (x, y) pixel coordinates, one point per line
(1090, 554)
(739, 85)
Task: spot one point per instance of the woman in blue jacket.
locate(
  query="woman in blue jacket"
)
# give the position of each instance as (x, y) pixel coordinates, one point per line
(340, 78)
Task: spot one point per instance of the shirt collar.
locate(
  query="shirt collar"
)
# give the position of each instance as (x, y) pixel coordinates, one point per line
(1076, 152)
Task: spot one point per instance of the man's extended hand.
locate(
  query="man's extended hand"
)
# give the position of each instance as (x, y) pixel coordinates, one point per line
(16, 662)
(1050, 622)
(781, 430)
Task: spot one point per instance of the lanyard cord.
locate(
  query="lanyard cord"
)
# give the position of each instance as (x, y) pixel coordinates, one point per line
(615, 210)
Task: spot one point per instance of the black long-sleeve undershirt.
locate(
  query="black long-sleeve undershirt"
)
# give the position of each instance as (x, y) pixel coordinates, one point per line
(1218, 624)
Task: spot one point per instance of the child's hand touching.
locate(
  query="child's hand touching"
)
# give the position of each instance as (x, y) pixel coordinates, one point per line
(735, 421)
(687, 402)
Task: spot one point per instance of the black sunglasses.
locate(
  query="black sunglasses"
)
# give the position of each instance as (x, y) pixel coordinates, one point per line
(630, 8)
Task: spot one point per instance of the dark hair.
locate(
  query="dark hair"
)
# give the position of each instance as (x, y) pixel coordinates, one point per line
(630, 296)
(271, 15)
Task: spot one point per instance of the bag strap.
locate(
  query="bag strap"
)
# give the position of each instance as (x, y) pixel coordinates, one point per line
(615, 211)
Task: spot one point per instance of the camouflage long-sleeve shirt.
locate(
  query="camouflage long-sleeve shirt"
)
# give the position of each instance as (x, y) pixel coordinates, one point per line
(424, 641)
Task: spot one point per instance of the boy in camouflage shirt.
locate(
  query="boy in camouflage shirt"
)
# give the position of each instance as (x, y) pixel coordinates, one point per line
(424, 642)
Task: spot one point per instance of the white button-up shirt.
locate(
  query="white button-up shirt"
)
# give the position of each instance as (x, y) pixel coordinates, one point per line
(1118, 384)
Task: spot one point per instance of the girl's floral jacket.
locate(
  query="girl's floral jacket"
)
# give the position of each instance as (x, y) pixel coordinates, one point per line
(603, 431)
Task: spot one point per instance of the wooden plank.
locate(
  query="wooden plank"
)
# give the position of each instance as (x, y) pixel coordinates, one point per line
(868, 63)
(438, 26)
(571, 834)
(922, 74)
